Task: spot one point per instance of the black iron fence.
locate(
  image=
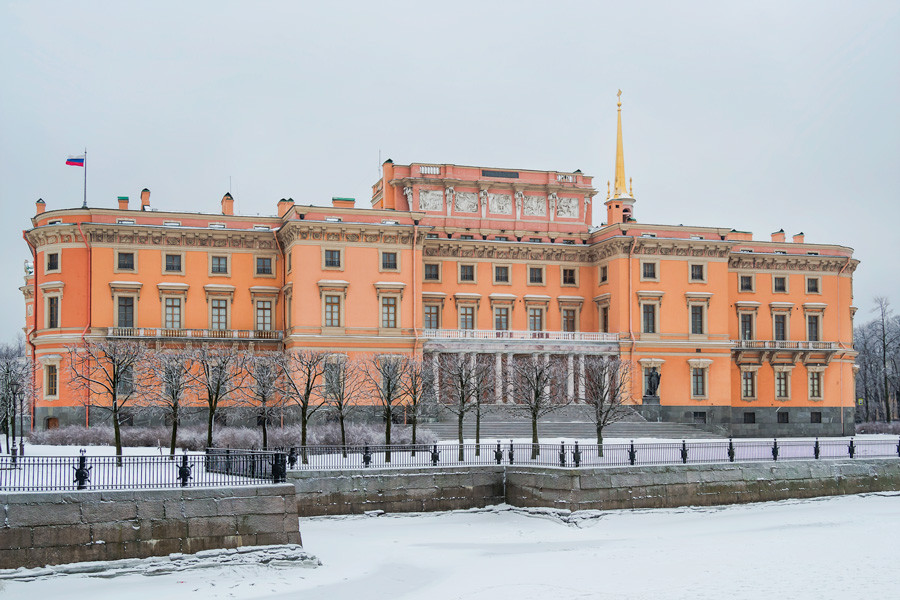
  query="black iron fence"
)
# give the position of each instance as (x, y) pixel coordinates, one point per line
(585, 455)
(63, 473)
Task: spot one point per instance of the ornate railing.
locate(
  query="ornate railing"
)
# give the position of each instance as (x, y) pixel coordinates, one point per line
(495, 335)
(210, 334)
(784, 345)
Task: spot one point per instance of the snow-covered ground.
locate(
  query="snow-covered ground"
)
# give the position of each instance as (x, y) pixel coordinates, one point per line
(833, 548)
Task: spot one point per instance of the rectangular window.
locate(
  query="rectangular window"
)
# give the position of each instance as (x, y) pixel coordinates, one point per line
(501, 274)
(648, 324)
(432, 316)
(219, 315)
(52, 380)
(815, 416)
(746, 283)
(467, 272)
(812, 285)
(501, 238)
(697, 319)
(219, 264)
(332, 311)
(698, 382)
(126, 311)
(604, 273)
(780, 327)
(535, 275)
(604, 319)
(333, 376)
(264, 315)
(746, 326)
(649, 270)
(432, 272)
(173, 263)
(783, 417)
(501, 319)
(389, 261)
(568, 319)
(779, 284)
(263, 266)
(467, 317)
(815, 384)
(333, 258)
(467, 236)
(173, 313)
(749, 418)
(535, 319)
(812, 328)
(568, 276)
(697, 273)
(782, 379)
(53, 262)
(126, 261)
(389, 313)
(53, 312)
(748, 384)
(700, 417)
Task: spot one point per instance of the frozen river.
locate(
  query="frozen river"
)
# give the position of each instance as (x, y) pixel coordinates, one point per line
(841, 547)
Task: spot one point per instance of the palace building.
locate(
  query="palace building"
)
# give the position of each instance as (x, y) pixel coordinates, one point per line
(753, 336)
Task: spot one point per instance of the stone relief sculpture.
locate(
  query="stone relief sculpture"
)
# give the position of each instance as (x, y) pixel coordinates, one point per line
(482, 202)
(567, 207)
(431, 200)
(466, 202)
(450, 193)
(500, 204)
(535, 206)
(519, 197)
(408, 192)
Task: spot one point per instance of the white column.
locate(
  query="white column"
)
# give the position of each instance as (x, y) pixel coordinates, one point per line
(498, 378)
(581, 375)
(570, 380)
(436, 373)
(509, 379)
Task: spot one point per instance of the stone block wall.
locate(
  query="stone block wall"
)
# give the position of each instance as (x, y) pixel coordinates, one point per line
(396, 490)
(46, 528)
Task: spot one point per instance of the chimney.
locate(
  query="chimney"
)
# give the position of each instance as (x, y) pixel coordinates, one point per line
(40, 206)
(145, 199)
(284, 206)
(123, 202)
(798, 238)
(343, 202)
(778, 236)
(227, 204)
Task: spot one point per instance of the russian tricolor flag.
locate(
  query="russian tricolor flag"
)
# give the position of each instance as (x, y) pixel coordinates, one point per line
(75, 161)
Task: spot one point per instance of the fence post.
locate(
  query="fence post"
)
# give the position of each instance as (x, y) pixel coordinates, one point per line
(576, 455)
(562, 454)
(184, 471)
(730, 450)
(367, 456)
(82, 471)
(816, 449)
(435, 456)
(775, 450)
(498, 453)
(632, 454)
(851, 448)
(512, 452)
(279, 467)
(684, 452)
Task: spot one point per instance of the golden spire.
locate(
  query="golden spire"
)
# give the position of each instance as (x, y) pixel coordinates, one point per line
(619, 189)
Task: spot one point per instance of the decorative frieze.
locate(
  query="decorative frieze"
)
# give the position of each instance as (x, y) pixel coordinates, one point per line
(500, 204)
(567, 208)
(535, 206)
(431, 200)
(466, 202)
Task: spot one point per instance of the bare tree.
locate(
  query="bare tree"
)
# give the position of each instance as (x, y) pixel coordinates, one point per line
(16, 369)
(217, 373)
(540, 386)
(263, 389)
(484, 381)
(417, 384)
(343, 388)
(302, 373)
(887, 339)
(383, 374)
(112, 372)
(606, 384)
(171, 387)
(457, 388)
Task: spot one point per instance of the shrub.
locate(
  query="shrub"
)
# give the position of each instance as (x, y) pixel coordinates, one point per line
(879, 427)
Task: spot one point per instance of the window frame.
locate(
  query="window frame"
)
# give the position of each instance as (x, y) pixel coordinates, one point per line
(327, 306)
(507, 315)
(787, 287)
(340, 257)
(273, 265)
(703, 270)
(781, 314)
(227, 272)
(392, 300)
(539, 268)
(436, 307)
(539, 313)
(117, 258)
(751, 277)
(782, 372)
(751, 314)
(257, 308)
(563, 318)
(575, 276)
(508, 268)
(815, 382)
(181, 258)
(58, 268)
(57, 296)
(381, 256)
(213, 300)
(165, 307)
(117, 300)
(818, 282)
(655, 305)
(460, 314)
(748, 373)
(656, 270)
(459, 273)
(603, 274)
(48, 365)
(425, 272)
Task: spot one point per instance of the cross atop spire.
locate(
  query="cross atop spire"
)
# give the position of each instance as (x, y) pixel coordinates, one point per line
(619, 189)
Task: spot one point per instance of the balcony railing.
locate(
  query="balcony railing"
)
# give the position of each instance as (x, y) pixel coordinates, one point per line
(563, 178)
(214, 334)
(494, 335)
(802, 346)
(429, 170)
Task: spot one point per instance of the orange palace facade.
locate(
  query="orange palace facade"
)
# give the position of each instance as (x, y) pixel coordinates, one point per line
(752, 336)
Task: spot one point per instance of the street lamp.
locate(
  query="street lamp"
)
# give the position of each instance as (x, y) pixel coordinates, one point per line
(14, 390)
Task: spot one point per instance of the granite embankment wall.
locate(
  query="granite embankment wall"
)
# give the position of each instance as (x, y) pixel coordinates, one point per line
(430, 489)
(46, 528)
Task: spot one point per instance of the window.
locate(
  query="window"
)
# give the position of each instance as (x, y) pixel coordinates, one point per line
(289, 262)
(782, 385)
(389, 312)
(53, 262)
(389, 261)
(748, 384)
(219, 265)
(535, 319)
(51, 373)
(501, 319)
(173, 263)
(333, 259)
(219, 315)
(535, 240)
(648, 270)
(746, 326)
(173, 313)
(780, 321)
(125, 387)
(604, 274)
(648, 320)
(432, 272)
(815, 416)
(749, 418)
(333, 376)
(568, 319)
(264, 315)
(431, 236)
(332, 311)
(812, 328)
(467, 272)
(467, 317)
(126, 311)
(432, 316)
(779, 284)
(501, 274)
(815, 384)
(467, 237)
(126, 261)
(783, 417)
(698, 273)
(698, 382)
(604, 319)
(501, 238)
(53, 312)
(700, 417)
(746, 283)
(263, 265)
(568, 276)
(536, 275)
(697, 319)
(812, 285)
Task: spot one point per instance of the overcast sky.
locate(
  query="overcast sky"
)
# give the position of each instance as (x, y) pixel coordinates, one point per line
(757, 115)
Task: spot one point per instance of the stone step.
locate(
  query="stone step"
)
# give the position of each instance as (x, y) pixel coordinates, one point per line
(569, 429)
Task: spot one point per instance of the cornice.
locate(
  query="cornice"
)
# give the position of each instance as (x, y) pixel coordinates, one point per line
(352, 233)
(512, 185)
(114, 234)
(787, 262)
(507, 251)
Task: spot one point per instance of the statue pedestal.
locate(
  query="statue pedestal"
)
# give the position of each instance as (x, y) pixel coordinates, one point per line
(651, 400)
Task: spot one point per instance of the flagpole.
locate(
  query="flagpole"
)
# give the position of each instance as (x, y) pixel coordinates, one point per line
(84, 204)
